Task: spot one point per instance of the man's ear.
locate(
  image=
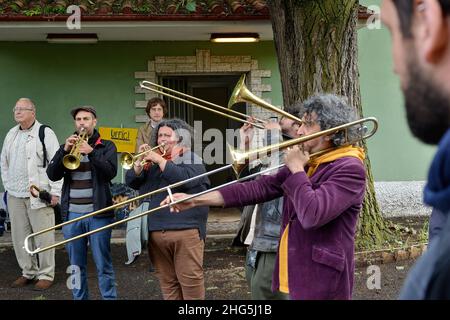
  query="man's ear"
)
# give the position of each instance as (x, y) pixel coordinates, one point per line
(432, 30)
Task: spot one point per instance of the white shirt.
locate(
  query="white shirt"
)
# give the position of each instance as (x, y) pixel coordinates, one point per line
(18, 172)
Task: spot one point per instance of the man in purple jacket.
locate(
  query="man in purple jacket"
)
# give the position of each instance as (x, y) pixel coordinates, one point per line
(323, 196)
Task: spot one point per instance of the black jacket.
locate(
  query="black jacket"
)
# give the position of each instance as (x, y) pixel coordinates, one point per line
(184, 167)
(104, 168)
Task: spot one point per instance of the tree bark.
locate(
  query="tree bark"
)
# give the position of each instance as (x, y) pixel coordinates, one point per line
(317, 49)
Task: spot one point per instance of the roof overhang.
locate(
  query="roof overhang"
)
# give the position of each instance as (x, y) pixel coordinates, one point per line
(135, 30)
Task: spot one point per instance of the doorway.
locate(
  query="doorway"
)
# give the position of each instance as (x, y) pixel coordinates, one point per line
(214, 89)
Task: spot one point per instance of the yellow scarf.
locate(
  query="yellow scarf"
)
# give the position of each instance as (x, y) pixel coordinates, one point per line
(338, 153)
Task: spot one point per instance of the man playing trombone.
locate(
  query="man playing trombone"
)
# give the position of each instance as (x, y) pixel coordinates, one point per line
(323, 196)
(175, 243)
(86, 187)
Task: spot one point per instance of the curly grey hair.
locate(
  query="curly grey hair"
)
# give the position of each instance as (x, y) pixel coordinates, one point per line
(332, 111)
(183, 131)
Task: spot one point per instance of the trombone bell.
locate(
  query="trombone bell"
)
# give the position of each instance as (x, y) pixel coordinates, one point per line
(242, 94)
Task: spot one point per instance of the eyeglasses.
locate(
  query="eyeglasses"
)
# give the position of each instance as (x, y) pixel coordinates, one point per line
(21, 109)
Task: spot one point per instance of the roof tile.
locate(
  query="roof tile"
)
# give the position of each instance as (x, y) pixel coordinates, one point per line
(14, 10)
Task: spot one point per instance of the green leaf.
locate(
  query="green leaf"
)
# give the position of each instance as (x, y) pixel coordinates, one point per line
(191, 6)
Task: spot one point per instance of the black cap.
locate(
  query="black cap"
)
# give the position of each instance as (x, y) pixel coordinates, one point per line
(84, 108)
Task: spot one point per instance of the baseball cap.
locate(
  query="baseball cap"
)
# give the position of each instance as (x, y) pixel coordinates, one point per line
(84, 108)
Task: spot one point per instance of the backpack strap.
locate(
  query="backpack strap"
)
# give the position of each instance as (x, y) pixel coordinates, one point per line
(41, 137)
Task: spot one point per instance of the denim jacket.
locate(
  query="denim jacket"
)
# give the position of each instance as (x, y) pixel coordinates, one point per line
(268, 216)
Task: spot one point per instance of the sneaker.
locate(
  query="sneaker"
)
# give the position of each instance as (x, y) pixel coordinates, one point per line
(21, 282)
(42, 285)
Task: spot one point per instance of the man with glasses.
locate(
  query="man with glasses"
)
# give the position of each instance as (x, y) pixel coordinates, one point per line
(22, 165)
(322, 198)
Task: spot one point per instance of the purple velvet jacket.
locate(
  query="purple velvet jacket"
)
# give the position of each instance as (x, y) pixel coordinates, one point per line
(322, 212)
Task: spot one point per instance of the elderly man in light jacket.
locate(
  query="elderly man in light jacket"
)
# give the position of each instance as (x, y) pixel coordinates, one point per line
(22, 165)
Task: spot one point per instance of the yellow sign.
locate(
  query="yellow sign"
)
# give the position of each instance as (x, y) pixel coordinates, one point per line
(123, 138)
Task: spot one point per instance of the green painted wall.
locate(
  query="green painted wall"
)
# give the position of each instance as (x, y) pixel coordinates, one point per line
(58, 77)
(394, 153)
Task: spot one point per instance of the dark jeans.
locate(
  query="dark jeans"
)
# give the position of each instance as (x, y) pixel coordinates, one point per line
(101, 252)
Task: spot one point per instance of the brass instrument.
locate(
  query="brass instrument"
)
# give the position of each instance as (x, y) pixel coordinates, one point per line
(127, 159)
(239, 159)
(239, 91)
(242, 94)
(72, 160)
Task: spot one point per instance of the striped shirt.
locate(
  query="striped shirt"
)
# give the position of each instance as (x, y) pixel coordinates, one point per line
(81, 191)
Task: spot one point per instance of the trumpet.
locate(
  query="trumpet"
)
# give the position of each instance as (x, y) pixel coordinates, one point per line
(72, 160)
(127, 159)
(237, 166)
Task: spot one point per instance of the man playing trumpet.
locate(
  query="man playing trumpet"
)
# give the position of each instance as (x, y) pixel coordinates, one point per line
(322, 199)
(86, 189)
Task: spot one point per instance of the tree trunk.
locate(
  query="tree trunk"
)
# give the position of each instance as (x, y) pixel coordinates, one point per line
(317, 49)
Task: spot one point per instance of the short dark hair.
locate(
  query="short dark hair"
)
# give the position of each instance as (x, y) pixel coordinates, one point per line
(153, 102)
(296, 109)
(405, 9)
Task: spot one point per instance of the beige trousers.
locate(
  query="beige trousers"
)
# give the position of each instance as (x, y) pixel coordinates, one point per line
(25, 221)
(177, 256)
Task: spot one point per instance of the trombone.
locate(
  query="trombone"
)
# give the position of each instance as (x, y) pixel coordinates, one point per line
(72, 160)
(238, 164)
(127, 159)
(240, 94)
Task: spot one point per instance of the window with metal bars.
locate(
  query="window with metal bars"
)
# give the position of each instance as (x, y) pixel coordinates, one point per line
(176, 108)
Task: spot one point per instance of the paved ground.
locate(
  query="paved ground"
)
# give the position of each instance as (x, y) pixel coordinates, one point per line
(224, 277)
(224, 271)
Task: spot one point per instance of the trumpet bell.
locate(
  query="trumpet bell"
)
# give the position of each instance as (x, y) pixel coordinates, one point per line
(127, 160)
(71, 162)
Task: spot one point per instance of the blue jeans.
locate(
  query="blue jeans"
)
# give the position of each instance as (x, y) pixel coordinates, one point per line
(101, 252)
